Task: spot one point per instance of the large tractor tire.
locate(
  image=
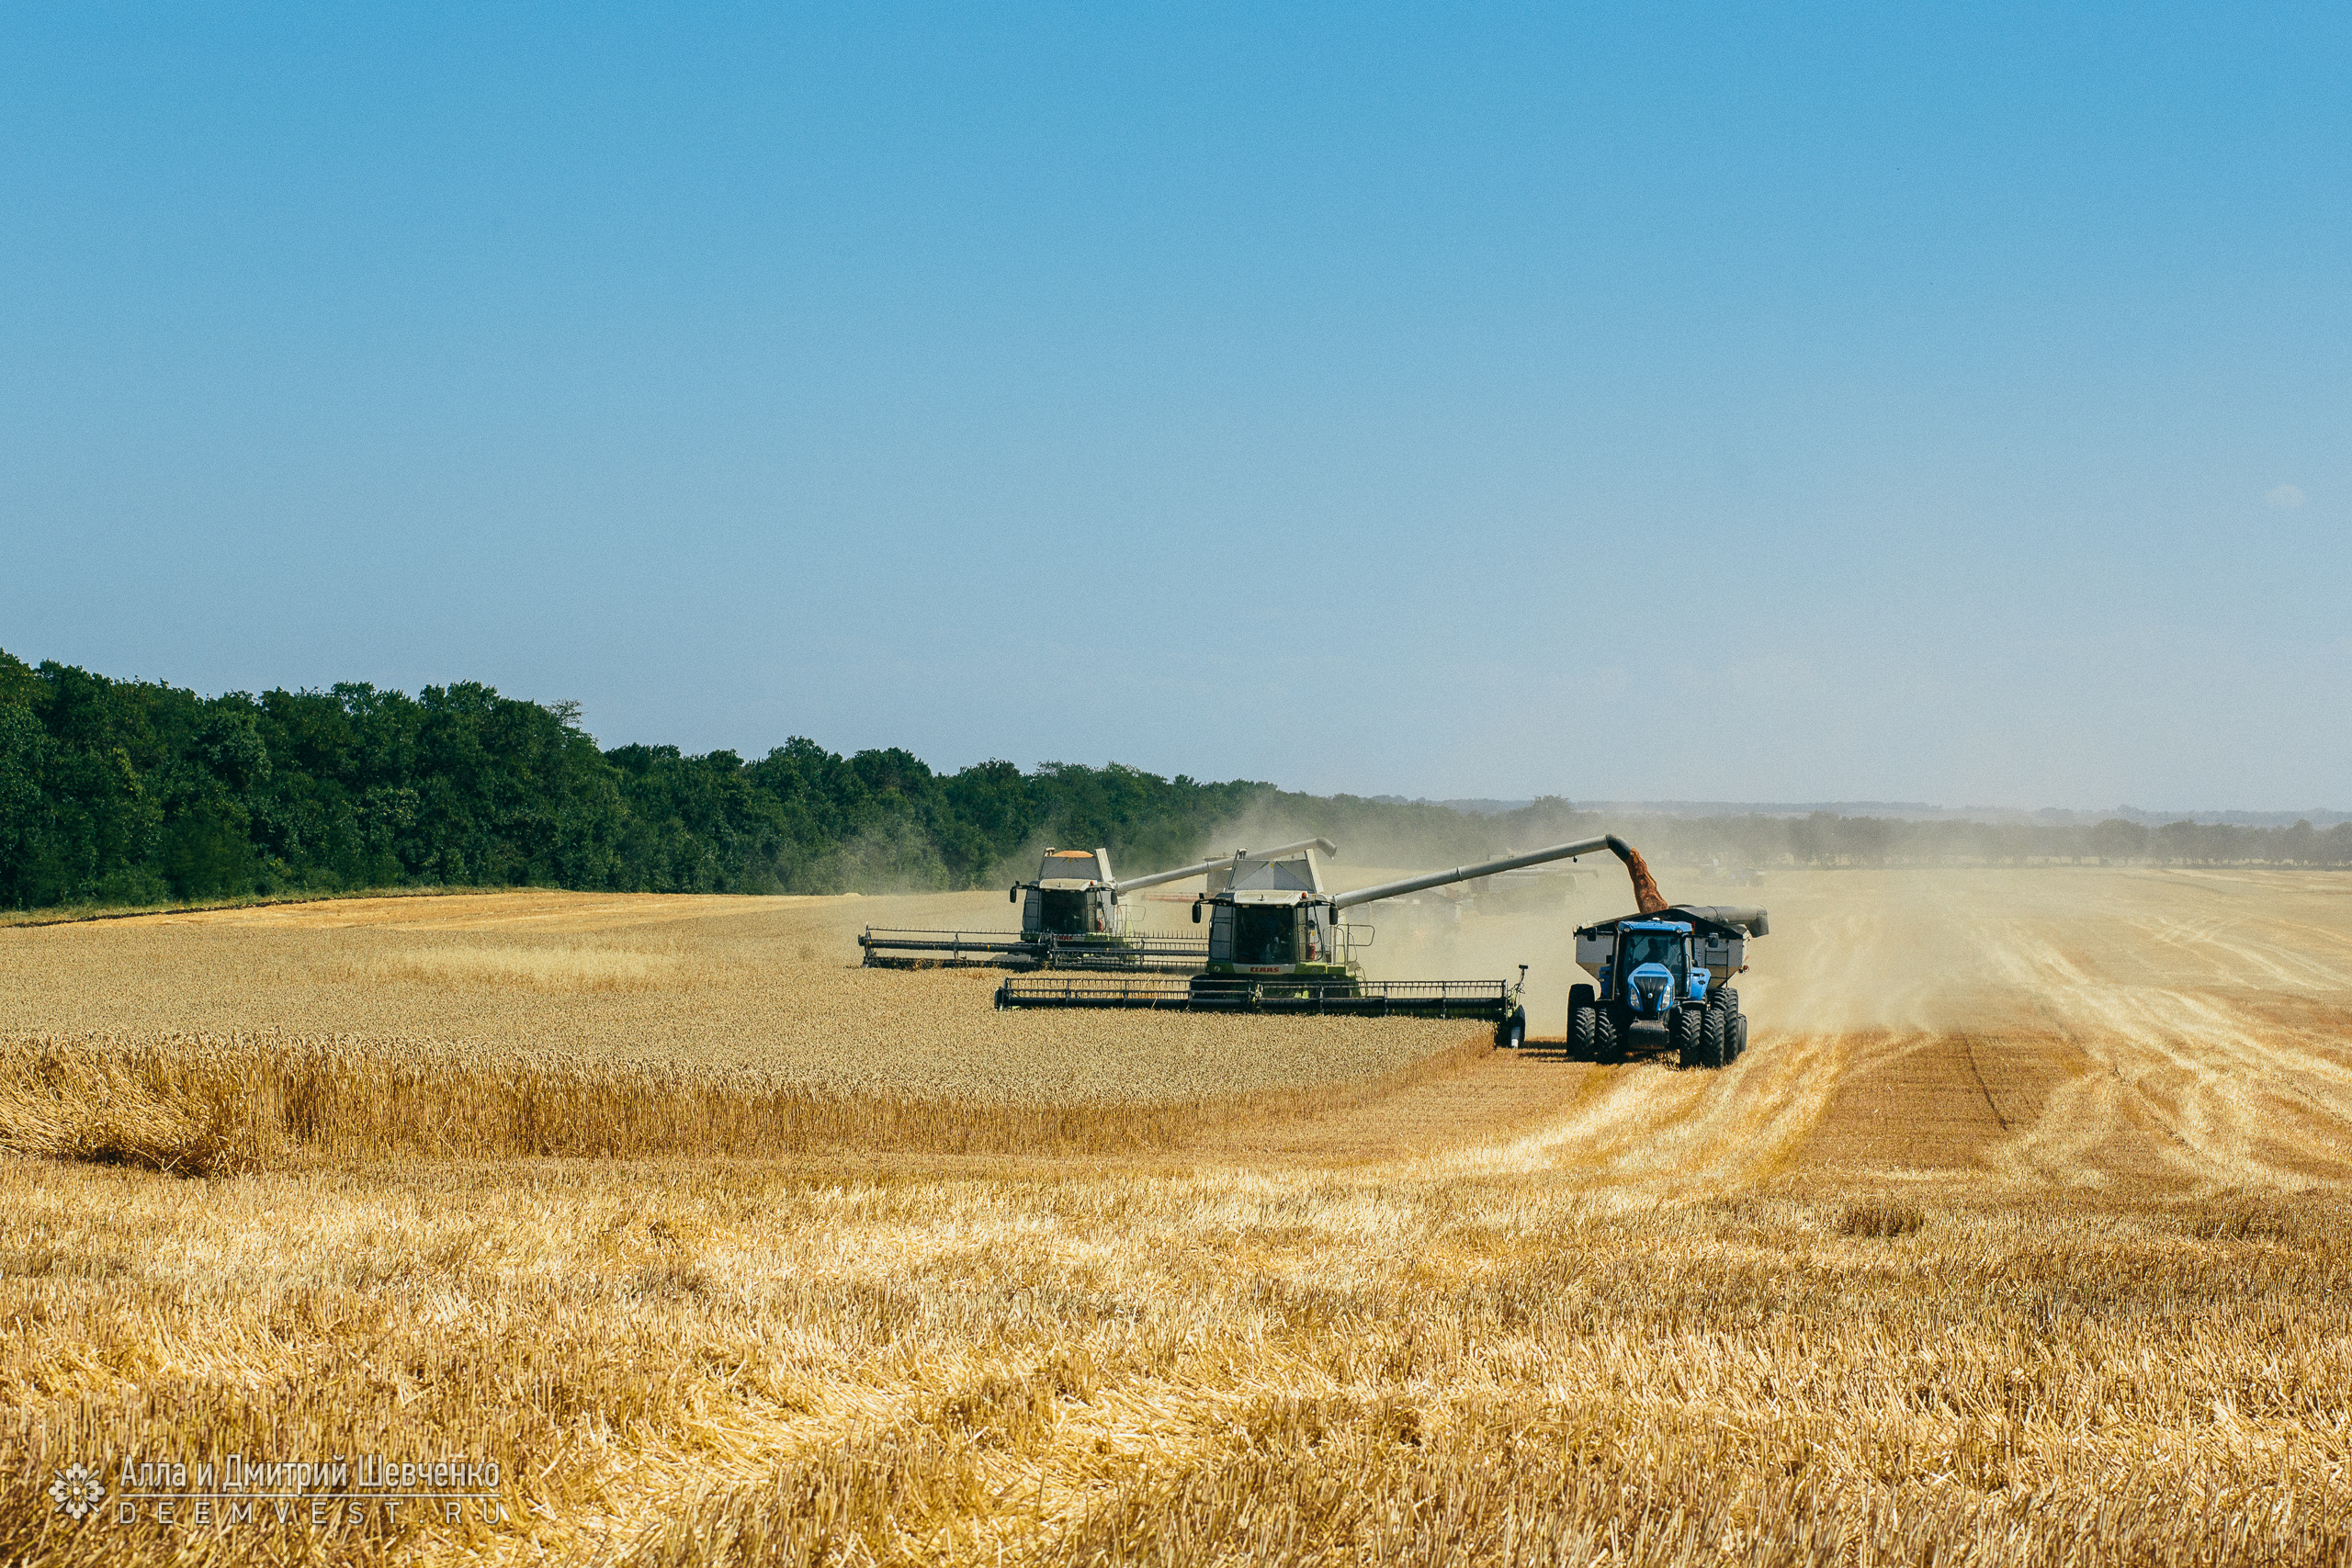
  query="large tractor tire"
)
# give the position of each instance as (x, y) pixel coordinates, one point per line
(1583, 1022)
(1608, 1035)
(1716, 1034)
(1685, 1027)
(1584, 1032)
(1727, 999)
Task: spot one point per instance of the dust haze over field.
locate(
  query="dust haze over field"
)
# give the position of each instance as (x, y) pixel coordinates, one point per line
(2018, 1236)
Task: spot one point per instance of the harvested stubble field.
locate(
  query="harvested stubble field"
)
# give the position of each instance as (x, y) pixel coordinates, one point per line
(2018, 1236)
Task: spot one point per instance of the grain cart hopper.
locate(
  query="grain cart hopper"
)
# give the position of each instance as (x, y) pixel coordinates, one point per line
(1671, 966)
(1277, 944)
(1071, 918)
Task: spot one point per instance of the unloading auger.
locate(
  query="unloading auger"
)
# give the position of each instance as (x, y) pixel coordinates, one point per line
(1072, 918)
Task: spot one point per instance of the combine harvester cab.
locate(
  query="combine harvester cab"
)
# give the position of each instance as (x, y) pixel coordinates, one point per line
(1277, 943)
(1671, 967)
(1072, 917)
(1071, 897)
(1069, 903)
(1271, 917)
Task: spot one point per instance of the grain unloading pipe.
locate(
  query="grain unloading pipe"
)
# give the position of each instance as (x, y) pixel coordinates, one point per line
(1609, 842)
(1156, 877)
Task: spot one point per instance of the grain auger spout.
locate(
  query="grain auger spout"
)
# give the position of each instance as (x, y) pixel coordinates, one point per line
(1646, 897)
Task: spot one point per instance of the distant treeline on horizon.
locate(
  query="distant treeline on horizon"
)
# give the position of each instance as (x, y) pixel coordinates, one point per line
(132, 792)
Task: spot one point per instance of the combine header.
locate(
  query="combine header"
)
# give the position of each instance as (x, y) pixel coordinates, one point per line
(1276, 943)
(1496, 999)
(1071, 918)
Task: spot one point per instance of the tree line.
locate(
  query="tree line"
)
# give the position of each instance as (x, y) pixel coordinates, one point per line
(132, 792)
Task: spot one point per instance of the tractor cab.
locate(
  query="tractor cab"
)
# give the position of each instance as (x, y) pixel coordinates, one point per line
(1653, 968)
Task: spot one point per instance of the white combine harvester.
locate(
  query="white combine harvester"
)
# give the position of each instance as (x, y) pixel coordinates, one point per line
(1072, 917)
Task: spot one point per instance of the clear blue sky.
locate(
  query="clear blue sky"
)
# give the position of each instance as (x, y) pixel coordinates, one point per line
(1938, 403)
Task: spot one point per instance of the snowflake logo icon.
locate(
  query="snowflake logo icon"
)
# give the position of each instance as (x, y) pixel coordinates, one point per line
(76, 1490)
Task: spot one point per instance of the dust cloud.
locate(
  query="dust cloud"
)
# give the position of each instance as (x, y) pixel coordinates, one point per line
(2140, 1031)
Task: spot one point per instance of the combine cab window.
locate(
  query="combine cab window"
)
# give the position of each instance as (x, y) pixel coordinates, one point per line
(1061, 913)
(1652, 947)
(1261, 933)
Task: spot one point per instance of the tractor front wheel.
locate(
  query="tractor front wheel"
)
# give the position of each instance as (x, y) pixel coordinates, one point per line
(1583, 1020)
(1608, 1034)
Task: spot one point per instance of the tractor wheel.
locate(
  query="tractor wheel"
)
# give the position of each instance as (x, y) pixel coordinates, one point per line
(1511, 1033)
(1579, 1045)
(1685, 1027)
(1728, 1000)
(1714, 1031)
(1608, 1034)
(1584, 1027)
(1739, 1035)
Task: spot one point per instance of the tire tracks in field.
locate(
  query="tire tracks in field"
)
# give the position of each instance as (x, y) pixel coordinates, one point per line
(2032, 1029)
(1968, 1047)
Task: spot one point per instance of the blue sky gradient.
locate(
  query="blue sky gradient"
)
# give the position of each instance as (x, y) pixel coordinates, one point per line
(1689, 403)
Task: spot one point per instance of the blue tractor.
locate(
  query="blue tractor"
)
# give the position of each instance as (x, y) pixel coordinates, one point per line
(1670, 969)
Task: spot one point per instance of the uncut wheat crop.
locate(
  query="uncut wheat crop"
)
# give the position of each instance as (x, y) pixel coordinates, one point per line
(764, 991)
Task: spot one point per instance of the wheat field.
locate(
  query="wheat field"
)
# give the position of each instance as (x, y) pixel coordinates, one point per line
(2018, 1236)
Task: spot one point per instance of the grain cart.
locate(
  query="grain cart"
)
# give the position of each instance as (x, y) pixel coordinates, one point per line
(1671, 967)
(1277, 944)
(1071, 918)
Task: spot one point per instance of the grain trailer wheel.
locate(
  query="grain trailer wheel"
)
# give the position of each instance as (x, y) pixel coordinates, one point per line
(1685, 1025)
(1739, 1035)
(1715, 1038)
(1511, 1033)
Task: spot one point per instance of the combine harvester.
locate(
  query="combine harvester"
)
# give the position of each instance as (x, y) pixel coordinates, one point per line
(1071, 918)
(1276, 943)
